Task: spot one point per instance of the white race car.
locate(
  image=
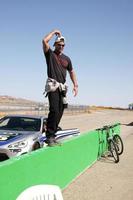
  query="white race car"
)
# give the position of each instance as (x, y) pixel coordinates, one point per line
(20, 134)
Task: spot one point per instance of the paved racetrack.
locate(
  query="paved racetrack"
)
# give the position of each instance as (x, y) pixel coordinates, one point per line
(105, 180)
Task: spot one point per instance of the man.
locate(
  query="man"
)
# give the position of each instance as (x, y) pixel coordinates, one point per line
(57, 66)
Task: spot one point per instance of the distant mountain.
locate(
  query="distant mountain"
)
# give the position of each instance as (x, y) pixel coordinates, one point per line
(4, 99)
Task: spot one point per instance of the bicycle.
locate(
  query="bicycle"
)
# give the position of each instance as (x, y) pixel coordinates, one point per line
(117, 139)
(111, 144)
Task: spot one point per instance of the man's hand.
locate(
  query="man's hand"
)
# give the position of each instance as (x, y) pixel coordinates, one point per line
(75, 84)
(75, 90)
(57, 32)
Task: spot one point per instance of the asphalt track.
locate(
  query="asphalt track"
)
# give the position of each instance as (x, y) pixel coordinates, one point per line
(105, 180)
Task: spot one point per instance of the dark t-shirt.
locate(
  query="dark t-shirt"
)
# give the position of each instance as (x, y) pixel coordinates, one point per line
(57, 66)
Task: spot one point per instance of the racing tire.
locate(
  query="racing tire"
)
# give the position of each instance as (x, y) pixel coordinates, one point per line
(119, 143)
(113, 150)
(36, 146)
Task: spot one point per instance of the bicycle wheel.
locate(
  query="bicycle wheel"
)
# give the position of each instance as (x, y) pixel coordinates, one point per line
(119, 143)
(113, 150)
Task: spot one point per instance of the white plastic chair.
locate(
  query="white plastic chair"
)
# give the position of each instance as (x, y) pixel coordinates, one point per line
(41, 192)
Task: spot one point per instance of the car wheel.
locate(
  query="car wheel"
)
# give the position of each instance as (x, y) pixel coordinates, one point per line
(36, 146)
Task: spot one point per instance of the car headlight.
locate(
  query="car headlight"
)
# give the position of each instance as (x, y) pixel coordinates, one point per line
(20, 144)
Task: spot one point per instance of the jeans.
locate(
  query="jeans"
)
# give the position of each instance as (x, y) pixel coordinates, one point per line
(56, 109)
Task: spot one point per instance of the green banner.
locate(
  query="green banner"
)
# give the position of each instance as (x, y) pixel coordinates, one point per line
(57, 165)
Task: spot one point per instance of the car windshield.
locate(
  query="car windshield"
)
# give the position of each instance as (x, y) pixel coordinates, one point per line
(20, 123)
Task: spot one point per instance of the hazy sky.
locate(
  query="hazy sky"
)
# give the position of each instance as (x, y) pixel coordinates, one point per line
(99, 41)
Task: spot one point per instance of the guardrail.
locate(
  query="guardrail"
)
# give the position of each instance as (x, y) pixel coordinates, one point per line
(36, 111)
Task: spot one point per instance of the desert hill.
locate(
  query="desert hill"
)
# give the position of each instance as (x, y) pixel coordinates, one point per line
(4, 100)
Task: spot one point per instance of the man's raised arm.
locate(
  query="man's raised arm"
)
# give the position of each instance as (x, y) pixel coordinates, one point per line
(47, 38)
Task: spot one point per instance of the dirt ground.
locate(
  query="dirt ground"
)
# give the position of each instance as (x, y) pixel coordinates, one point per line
(105, 180)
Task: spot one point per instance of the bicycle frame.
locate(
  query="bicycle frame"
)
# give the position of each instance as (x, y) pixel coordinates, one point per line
(111, 146)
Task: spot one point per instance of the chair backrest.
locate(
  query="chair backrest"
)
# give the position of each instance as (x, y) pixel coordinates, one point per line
(41, 192)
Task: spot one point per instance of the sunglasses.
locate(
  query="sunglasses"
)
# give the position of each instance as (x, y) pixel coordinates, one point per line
(61, 45)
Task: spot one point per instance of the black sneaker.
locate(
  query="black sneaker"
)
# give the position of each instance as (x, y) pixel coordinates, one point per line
(59, 128)
(57, 142)
(52, 142)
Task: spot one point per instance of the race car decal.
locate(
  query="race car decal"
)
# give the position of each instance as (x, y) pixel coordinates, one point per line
(62, 134)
